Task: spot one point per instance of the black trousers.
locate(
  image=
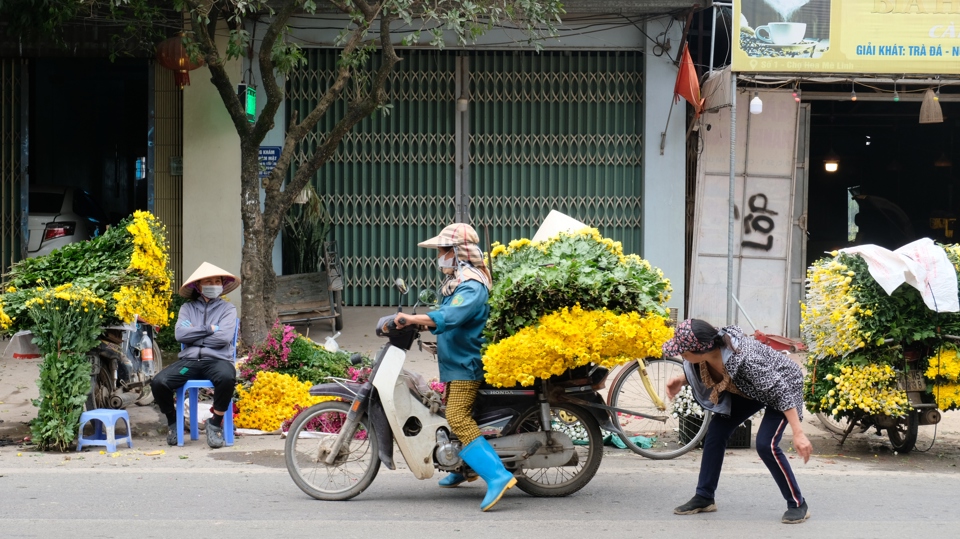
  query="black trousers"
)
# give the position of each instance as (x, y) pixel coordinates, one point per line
(222, 373)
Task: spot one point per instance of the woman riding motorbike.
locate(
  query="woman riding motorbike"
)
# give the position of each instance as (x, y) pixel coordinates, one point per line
(458, 324)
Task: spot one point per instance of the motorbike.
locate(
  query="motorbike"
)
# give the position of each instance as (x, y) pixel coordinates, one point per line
(122, 368)
(549, 435)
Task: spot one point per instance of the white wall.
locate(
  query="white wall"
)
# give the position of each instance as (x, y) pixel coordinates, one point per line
(212, 229)
(664, 176)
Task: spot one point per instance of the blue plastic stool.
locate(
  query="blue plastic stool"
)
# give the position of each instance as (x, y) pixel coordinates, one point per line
(104, 428)
(193, 386)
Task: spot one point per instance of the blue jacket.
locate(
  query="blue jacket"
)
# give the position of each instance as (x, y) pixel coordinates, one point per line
(199, 340)
(460, 320)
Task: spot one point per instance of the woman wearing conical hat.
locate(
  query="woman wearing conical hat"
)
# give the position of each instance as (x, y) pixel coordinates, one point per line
(205, 327)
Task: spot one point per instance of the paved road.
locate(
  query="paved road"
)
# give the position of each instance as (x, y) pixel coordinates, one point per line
(244, 491)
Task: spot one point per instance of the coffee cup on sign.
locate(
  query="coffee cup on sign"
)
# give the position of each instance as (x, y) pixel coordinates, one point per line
(781, 33)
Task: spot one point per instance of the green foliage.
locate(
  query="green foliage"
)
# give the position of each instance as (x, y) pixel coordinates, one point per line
(311, 362)
(66, 324)
(135, 26)
(901, 316)
(533, 280)
(99, 265)
(305, 228)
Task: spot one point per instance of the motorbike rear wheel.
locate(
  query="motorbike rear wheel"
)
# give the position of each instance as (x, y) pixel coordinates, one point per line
(671, 438)
(313, 430)
(558, 481)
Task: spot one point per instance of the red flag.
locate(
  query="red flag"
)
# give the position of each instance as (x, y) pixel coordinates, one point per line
(688, 86)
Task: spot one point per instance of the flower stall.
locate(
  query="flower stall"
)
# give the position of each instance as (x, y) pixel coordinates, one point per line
(879, 328)
(60, 302)
(276, 376)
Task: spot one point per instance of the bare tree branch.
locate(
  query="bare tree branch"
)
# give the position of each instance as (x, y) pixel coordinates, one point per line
(274, 93)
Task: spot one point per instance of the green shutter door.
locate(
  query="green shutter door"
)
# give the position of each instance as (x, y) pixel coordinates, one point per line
(556, 130)
(391, 183)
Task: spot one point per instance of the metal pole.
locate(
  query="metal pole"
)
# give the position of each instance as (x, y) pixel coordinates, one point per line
(713, 36)
(732, 194)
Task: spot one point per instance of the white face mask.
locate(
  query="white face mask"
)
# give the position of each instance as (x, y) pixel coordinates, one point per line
(211, 291)
(448, 262)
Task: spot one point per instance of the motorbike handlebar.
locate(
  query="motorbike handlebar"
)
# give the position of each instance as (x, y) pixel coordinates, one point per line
(402, 320)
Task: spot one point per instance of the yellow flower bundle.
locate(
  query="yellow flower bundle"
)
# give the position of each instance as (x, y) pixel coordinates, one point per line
(571, 338)
(943, 369)
(830, 315)
(870, 388)
(150, 296)
(5, 320)
(271, 400)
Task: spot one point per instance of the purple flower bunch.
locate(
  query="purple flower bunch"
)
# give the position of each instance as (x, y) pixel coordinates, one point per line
(271, 354)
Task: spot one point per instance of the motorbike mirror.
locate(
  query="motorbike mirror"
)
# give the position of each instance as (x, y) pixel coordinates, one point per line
(428, 297)
(401, 286)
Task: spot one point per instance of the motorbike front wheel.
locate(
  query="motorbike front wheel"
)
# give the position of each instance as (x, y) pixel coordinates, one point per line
(308, 442)
(583, 428)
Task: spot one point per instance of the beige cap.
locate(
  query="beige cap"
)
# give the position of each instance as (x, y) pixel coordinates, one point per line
(230, 281)
(453, 235)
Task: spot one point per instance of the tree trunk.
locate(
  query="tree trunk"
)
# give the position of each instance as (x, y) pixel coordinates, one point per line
(253, 324)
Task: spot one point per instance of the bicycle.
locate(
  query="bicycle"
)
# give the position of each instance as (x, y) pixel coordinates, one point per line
(639, 386)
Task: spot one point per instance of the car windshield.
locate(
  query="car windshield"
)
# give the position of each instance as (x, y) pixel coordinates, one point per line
(46, 202)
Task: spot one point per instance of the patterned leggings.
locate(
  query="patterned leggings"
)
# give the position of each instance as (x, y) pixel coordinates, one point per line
(460, 397)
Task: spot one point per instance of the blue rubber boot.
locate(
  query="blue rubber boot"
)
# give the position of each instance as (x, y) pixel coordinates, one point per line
(479, 454)
(455, 480)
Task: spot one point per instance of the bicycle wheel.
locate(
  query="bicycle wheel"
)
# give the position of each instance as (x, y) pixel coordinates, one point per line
(836, 426)
(308, 444)
(558, 481)
(669, 439)
(903, 437)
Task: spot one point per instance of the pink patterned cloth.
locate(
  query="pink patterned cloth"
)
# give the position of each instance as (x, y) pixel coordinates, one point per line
(684, 341)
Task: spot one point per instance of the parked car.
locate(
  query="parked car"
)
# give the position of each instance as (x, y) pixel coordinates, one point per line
(60, 216)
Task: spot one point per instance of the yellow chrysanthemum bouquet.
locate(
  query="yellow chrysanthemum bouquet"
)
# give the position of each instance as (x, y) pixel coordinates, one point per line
(863, 343)
(570, 301)
(126, 267)
(272, 399)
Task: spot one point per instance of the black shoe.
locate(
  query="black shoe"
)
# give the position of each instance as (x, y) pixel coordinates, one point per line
(214, 435)
(796, 515)
(697, 504)
(172, 434)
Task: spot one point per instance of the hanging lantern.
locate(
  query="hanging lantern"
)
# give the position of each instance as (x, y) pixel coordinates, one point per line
(173, 55)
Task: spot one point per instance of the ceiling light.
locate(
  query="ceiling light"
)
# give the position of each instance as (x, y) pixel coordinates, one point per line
(831, 162)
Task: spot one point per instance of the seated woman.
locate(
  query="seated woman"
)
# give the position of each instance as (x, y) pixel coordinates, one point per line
(206, 328)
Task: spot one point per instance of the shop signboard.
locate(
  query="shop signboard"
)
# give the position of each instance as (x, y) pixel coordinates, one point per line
(848, 36)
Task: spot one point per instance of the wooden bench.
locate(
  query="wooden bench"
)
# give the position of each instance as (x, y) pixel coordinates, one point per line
(309, 297)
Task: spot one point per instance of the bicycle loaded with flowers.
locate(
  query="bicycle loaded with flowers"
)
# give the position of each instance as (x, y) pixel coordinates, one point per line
(879, 360)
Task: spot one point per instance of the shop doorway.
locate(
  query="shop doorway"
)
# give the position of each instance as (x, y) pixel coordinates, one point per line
(88, 125)
(896, 180)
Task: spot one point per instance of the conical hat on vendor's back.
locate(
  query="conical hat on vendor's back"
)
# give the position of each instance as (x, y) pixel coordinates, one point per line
(230, 281)
(556, 223)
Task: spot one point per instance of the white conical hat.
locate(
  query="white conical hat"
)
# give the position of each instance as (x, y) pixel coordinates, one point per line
(230, 281)
(556, 223)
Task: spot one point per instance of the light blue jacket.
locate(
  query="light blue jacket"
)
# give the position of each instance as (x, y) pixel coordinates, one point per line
(460, 320)
(199, 340)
